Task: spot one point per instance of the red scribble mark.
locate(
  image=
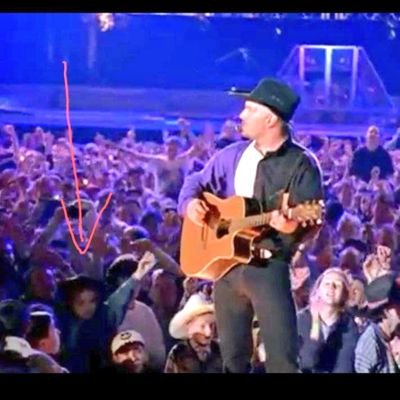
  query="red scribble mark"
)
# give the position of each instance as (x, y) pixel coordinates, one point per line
(71, 147)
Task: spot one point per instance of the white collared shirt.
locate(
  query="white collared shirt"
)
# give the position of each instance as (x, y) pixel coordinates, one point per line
(18, 345)
(246, 171)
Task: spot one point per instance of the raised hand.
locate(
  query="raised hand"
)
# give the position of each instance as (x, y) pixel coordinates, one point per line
(315, 310)
(375, 174)
(141, 246)
(145, 265)
(384, 257)
(376, 265)
(298, 276)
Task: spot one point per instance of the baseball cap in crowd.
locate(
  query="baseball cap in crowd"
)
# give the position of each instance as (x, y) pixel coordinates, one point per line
(126, 337)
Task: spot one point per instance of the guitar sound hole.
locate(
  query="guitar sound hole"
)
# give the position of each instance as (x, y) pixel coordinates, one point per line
(222, 228)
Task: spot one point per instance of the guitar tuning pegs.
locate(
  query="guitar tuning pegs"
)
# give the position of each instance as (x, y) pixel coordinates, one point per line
(319, 221)
(304, 224)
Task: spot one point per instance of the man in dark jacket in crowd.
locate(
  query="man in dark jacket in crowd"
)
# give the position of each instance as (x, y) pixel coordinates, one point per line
(371, 158)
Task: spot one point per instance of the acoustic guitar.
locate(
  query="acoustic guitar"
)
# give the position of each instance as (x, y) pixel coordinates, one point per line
(227, 236)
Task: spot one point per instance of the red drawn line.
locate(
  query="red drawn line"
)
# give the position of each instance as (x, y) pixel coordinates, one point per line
(71, 149)
(67, 109)
(94, 227)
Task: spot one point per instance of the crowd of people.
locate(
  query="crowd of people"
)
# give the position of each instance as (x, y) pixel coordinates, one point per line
(125, 306)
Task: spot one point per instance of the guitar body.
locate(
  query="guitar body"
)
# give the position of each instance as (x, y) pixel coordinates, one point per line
(209, 252)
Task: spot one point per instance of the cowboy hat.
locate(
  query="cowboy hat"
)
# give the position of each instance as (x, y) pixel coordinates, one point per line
(382, 291)
(70, 286)
(194, 307)
(276, 95)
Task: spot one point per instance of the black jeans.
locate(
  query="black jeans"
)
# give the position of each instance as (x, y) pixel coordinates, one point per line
(265, 291)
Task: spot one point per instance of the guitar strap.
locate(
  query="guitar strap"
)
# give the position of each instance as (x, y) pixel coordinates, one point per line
(275, 201)
(293, 171)
(289, 182)
(275, 198)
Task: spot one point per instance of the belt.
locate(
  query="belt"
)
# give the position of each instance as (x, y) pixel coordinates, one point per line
(261, 254)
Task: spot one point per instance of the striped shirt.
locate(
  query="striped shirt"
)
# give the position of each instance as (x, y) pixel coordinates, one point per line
(372, 354)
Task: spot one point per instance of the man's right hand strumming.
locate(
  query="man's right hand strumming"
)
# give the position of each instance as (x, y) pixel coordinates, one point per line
(196, 211)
